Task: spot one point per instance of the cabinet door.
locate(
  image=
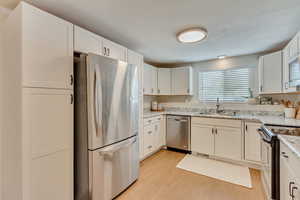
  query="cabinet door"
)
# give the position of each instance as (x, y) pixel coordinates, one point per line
(182, 81)
(52, 177)
(154, 80)
(271, 73)
(164, 81)
(113, 50)
(47, 49)
(147, 79)
(252, 142)
(293, 48)
(149, 140)
(87, 42)
(202, 139)
(228, 143)
(48, 120)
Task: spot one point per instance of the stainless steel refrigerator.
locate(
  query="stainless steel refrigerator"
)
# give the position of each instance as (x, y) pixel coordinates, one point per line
(106, 127)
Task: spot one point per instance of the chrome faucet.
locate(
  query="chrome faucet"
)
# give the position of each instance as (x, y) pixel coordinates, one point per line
(218, 106)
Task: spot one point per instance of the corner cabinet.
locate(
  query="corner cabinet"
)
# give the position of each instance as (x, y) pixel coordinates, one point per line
(182, 81)
(168, 81)
(270, 73)
(37, 105)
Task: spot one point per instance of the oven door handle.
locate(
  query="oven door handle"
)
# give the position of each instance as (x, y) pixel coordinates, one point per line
(262, 135)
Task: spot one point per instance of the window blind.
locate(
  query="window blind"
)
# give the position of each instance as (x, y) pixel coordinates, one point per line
(227, 85)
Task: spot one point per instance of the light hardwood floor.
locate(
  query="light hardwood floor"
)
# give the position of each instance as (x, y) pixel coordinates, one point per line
(161, 180)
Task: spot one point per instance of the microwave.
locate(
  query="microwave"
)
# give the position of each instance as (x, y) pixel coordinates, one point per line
(294, 73)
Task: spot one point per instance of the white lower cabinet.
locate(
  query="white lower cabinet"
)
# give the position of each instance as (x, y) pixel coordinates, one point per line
(154, 135)
(228, 143)
(202, 139)
(289, 174)
(51, 177)
(213, 137)
(252, 142)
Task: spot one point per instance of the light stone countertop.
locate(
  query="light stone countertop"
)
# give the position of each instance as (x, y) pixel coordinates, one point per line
(270, 120)
(292, 142)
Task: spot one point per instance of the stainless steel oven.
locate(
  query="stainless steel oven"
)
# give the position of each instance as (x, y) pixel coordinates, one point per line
(270, 160)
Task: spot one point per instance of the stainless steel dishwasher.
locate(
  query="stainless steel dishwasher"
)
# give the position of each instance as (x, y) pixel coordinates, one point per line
(178, 132)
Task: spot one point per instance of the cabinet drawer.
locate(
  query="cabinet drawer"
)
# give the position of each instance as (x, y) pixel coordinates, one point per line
(152, 120)
(217, 122)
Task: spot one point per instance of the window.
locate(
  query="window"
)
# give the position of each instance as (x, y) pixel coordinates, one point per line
(227, 85)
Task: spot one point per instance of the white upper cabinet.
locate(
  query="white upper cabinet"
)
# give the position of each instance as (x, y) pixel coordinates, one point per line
(291, 63)
(270, 73)
(43, 44)
(252, 142)
(150, 80)
(182, 81)
(114, 50)
(164, 81)
(87, 42)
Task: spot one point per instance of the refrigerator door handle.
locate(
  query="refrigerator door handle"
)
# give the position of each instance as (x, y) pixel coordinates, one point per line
(97, 102)
(117, 147)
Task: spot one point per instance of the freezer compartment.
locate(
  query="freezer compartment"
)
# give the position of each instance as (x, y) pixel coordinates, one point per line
(178, 132)
(113, 169)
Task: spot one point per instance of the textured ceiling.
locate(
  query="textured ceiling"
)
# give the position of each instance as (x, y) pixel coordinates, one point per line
(235, 27)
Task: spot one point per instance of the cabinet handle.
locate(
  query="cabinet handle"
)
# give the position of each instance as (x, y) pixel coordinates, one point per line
(216, 130)
(149, 121)
(293, 195)
(285, 156)
(152, 90)
(108, 51)
(188, 91)
(72, 98)
(71, 79)
(158, 90)
(149, 147)
(212, 131)
(105, 51)
(246, 127)
(261, 88)
(290, 187)
(149, 132)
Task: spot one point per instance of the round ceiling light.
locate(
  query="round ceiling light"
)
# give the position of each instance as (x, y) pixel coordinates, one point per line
(192, 35)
